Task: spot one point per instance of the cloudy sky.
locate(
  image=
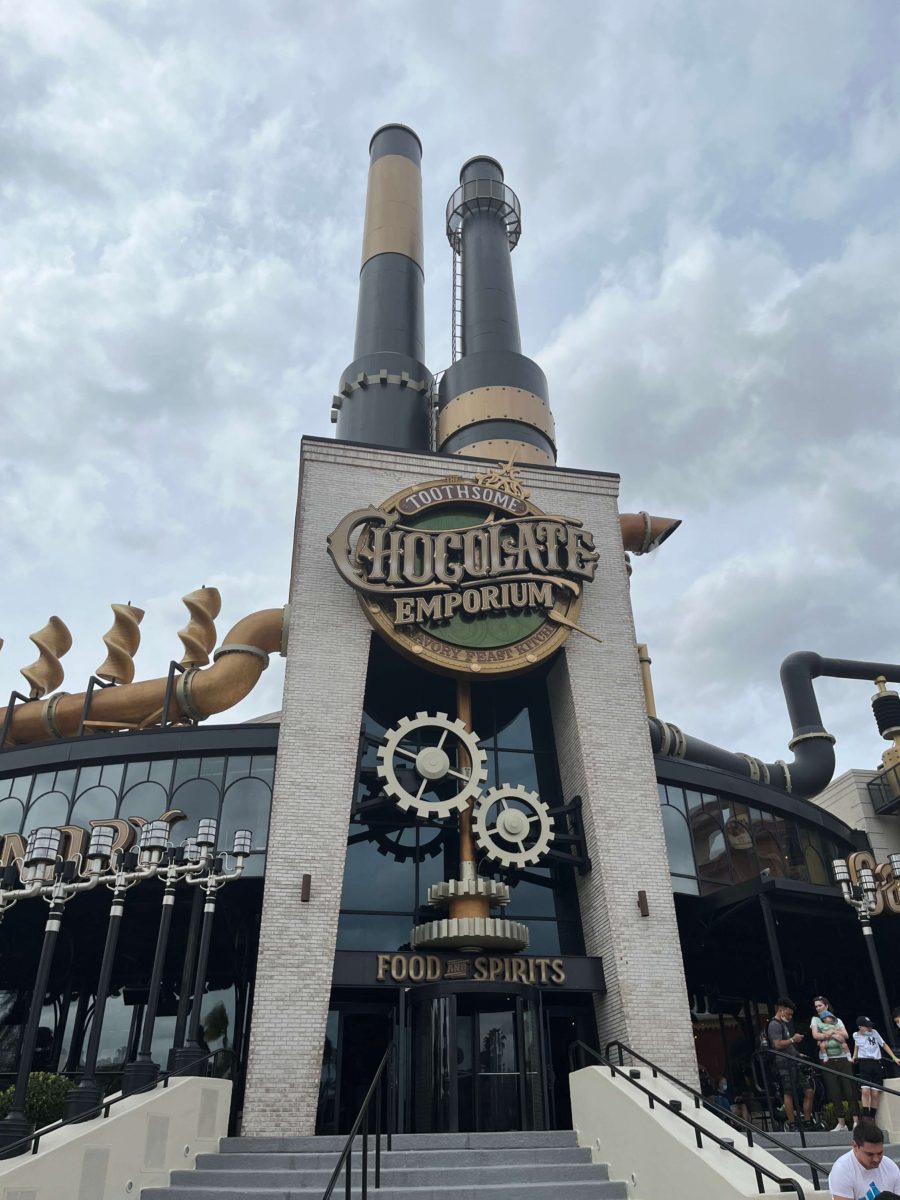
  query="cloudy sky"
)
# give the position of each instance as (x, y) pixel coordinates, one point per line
(709, 273)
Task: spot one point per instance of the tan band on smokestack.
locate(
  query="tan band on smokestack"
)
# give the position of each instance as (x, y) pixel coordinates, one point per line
(394, 209)
(503, 449)
(495, 404)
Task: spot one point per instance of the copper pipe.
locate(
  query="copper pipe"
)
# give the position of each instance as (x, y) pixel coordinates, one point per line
(642, 533)
(468, 906)
(211, 690)
(646, 679)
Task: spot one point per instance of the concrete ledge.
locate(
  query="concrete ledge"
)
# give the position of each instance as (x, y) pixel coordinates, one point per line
(144, 1138)
(655, 1152)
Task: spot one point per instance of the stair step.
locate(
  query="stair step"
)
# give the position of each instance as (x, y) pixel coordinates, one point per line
(840, 1137)
(575, 1190)
(404, 1141)
(407, 1177)
(313, 1160)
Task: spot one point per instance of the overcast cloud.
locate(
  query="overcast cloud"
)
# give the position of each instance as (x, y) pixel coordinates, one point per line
(709, 273)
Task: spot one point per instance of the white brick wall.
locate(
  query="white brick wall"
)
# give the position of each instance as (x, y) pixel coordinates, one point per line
(604, 753)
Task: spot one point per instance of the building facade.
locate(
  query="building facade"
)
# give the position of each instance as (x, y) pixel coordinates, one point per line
(473, 838)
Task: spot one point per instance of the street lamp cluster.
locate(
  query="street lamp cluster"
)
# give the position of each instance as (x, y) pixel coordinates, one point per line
(864, 900)
(43, 872)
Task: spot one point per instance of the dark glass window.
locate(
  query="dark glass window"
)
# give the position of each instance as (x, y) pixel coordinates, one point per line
(393, 858)
(725, 841)
(50, 809)
(96, 804)
(146, 789)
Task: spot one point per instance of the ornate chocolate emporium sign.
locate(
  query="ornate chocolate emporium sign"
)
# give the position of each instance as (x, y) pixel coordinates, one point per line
(468, 577)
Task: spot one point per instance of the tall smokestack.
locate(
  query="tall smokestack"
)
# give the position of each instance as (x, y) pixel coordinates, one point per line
(383, 394)
(494, 402)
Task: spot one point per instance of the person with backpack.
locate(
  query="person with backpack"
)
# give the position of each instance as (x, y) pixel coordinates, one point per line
(789, 1065)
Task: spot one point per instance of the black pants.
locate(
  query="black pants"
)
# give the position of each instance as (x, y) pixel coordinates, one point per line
(841, 1087)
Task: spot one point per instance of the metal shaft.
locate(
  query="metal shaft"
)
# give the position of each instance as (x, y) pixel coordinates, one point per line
(106, 967)
(29, 1037)
(869, 939)
(159, 962)
(209, 915)
(188, 971)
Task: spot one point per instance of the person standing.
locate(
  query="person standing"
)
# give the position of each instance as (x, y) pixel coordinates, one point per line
(832, 1040)
(783, 1038)
(863, 1173)
(868, 1045)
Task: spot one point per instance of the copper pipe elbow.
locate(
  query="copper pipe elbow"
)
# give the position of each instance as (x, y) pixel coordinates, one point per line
(642, 533)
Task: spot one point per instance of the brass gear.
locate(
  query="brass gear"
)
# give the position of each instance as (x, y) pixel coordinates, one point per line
(506, 834)
(431, 764)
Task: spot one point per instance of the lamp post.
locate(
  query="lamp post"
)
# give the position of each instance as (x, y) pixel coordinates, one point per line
(864, 902)
(185, 1060)
(187, 975)
(130, 870)
(43, 868)
(142, 1072)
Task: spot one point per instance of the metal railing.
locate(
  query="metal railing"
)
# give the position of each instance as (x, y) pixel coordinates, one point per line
(362, 1123)
(631, 1076)
(803, 1065)
(34, 1139)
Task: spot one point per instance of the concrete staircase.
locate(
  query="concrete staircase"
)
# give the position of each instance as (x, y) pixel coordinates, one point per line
(440, 1166)
(823, 1148)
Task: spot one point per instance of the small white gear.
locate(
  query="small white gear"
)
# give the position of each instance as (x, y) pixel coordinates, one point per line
(514, 835)
(431, 763)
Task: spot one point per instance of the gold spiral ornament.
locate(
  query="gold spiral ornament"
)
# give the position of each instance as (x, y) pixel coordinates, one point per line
(46, 673)
(121, 644)
(199, 635)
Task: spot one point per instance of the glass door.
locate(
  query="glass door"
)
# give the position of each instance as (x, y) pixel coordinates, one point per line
(476, 1060)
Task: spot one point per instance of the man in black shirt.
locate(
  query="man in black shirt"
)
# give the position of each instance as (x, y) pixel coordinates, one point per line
(794, 1079)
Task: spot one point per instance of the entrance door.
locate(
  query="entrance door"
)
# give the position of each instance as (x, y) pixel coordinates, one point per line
(563, 1025)
(476, 1060)
(356, 1038)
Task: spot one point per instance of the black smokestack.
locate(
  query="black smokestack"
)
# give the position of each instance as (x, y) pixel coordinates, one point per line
(384, 392)
(493, 400)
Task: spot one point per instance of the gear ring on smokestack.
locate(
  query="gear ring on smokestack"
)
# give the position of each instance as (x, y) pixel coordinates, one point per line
(384, 394)
(493, 402)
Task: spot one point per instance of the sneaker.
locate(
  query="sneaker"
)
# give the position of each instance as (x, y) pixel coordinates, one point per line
(841, 1125)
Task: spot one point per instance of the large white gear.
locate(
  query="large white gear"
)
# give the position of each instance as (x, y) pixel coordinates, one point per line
(499, 830)
(431, 763)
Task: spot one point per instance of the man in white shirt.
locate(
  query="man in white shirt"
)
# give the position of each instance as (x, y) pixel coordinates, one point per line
(863, 1173)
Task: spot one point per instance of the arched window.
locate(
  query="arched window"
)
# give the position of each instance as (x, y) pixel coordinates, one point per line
(678, 842)
(246, 806)
(147, 800)
(50, 809)
(198, 798)
(10, 816)
(96, 804)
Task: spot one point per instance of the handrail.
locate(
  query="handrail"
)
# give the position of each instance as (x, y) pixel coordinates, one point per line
(820, 1066)
(10, 1151)
(801, 1061)
(362, 1119)
(746, 1127)
(674, 1106)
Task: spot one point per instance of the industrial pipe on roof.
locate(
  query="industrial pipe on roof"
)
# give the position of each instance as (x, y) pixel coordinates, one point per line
(384, 396)
(813, 746)
(239, 662)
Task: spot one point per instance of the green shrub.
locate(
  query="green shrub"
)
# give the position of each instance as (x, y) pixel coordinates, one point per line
(45, 1099)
